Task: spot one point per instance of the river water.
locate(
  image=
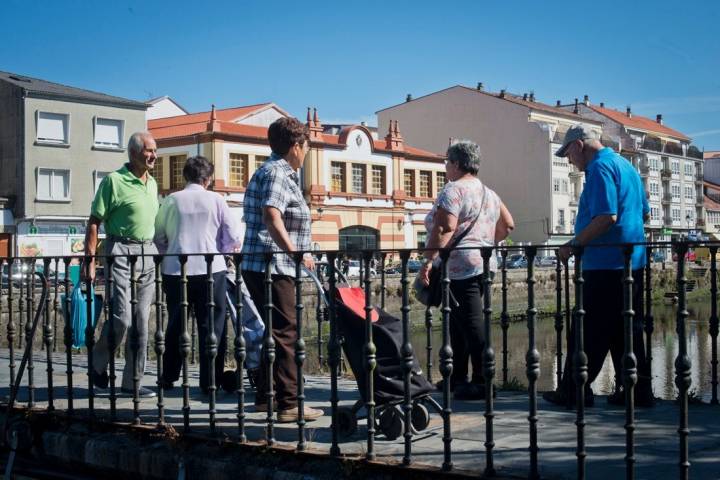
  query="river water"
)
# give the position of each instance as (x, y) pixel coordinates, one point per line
(664, 351)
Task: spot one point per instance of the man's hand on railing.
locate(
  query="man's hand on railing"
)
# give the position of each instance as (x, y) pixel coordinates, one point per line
(309, 261)
(424, 272)
(565, 252)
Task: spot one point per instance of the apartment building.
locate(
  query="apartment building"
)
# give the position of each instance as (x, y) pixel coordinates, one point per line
(670, 166)
(518, 136)
(56, 145)
(363, 192)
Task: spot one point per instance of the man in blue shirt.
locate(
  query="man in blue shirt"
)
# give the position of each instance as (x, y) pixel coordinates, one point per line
(612, 210)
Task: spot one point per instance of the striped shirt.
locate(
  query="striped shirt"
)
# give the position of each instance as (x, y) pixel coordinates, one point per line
(274, 184)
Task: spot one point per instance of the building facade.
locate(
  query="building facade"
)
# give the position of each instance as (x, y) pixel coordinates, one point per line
(363, 192)
(671, 168)
(57, 144)
(518, 136)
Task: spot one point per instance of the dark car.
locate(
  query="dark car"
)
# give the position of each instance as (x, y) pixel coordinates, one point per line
(414, 266)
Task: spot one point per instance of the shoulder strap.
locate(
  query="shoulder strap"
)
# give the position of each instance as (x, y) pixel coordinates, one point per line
(457, 239)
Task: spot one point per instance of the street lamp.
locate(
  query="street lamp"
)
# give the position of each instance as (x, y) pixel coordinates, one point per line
(688, 220)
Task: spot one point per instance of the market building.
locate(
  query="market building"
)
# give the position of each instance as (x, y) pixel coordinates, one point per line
(363, 192)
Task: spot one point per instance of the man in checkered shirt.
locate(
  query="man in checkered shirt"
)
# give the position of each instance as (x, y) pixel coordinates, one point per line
(278, 219)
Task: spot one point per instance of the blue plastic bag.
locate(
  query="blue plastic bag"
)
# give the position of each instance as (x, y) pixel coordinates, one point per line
(78, 312)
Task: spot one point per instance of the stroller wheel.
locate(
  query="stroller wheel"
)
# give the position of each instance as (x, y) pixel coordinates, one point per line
(391, 423)
(228, 381)
(420, 416)
(347, 421)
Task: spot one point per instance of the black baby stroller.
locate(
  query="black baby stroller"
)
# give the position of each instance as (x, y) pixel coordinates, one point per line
(388, 374)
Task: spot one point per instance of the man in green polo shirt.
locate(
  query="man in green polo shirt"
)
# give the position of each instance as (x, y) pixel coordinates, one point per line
(126, 203)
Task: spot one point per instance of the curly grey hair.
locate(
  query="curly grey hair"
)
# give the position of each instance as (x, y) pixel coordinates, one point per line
(137, 143)
(465, 155)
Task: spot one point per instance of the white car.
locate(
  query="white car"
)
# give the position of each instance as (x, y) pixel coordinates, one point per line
(354, 269)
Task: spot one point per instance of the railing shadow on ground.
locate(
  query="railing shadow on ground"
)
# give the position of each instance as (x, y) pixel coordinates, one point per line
(460, 429)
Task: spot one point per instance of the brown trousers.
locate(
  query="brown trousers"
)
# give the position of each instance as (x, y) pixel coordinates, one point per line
(284, 332)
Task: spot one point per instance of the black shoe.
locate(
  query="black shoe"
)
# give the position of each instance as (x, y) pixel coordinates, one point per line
(142, 393)
(558, 397)
(99, 380)
(471, 391)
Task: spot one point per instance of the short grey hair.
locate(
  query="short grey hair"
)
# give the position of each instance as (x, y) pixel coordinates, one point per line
(466, 155)
(137, 143)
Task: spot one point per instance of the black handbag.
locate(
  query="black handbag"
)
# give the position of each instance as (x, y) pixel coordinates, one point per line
(431, 295)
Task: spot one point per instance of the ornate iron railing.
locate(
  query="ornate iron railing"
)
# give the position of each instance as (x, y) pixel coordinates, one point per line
(18, 296)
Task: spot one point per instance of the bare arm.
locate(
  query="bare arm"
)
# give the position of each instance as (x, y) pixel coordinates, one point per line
(444, 225)
(505, 224)
(597, 226)
(91, 240)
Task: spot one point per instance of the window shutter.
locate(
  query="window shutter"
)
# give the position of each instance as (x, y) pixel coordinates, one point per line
(52, 127)
(108, 132)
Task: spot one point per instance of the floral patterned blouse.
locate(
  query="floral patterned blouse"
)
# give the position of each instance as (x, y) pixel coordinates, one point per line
(464, 198)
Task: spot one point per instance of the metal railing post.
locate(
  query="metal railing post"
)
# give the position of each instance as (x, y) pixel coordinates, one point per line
(68, 337)
(269, 350)
(648, 319)
(532, 362)
(488, 360)
(504, 316)
(333, 355)
(580, 363)
(370, 363)
(159, 338)
(240, 348)
(446, 365)
(713, 325)
(558, 319)
(185, 341)
(48, 334)
(683, 366)
(630, 376)
(211, 343)
(407, 356)
(300, 353)
(134, 339)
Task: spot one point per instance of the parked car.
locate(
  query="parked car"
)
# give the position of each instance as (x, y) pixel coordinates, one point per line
(414, 266)
(549, 261)
(354, 269)
(517, 261)
(658, 256)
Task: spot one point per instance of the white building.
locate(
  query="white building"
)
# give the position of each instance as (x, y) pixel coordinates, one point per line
(671, 168)
(518, 136)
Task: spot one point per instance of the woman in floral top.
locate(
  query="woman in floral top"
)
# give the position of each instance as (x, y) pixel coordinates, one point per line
(463, 200)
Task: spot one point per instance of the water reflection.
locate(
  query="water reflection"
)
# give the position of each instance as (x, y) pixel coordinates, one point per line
(664, 351)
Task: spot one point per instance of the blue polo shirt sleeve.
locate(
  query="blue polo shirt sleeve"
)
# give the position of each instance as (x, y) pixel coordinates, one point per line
(603, 191)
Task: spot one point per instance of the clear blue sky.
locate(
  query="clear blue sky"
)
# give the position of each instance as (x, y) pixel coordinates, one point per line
(350, 59)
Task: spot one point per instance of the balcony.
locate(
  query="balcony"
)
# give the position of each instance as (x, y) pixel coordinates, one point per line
(667, 221)
(700, 200)
(699, 177)
(665, 173)
(667, 198)
(694, 152)
(673, 148)
(575, 174)
(700, 222)
(573, 202)
(652, 143)
(644, 169)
